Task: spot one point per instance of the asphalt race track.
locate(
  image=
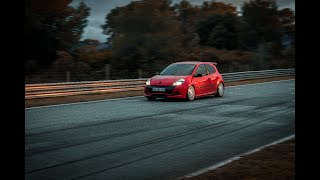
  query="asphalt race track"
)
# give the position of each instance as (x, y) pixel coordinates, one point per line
(133, 138)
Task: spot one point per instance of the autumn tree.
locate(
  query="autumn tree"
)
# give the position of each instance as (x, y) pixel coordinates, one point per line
(70, 27)
(72, 68)
(90, 53)
(220, 31)
(51, 26)
(262, 17)
(144, 32)
(248, 38)
(193, 16)
(209, 8)
(188, 16)
(271, 25)
(287, 19)
(64, 61)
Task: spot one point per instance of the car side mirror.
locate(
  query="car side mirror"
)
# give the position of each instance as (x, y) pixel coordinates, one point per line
(197, 75)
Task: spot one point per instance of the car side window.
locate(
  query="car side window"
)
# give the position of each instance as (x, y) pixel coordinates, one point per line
(210, 68)
(202, 70)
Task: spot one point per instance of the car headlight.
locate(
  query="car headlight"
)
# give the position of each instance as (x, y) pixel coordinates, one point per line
(148, 82)
(178, 83)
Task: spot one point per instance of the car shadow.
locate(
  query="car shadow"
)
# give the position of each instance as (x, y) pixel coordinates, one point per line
(180, 100)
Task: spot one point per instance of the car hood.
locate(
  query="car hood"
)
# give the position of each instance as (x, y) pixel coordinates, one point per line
(159, 80)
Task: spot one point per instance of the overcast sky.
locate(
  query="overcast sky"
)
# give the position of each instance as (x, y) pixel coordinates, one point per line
(99, 9)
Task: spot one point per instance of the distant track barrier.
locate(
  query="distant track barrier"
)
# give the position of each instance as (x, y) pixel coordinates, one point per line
(45, 90)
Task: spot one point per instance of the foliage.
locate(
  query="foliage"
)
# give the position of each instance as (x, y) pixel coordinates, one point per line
(287, 19)
(211, 8)
(144, 32)
(64, 61)
(220, 31)
(147, 35)
(188, 16)
(49, 29)
(262, 17)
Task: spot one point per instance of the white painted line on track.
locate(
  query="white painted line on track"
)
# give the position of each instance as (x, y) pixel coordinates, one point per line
(141, 96)
(215, 166)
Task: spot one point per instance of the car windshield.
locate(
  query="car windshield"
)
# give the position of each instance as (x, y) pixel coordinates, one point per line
(178, 69)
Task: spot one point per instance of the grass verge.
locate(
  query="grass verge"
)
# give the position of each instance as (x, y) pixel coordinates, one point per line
(275, 162)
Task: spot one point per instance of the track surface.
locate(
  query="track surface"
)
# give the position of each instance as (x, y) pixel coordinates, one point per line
(132, 138)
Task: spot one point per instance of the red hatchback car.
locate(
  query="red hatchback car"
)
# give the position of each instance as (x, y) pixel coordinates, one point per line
(187, 80)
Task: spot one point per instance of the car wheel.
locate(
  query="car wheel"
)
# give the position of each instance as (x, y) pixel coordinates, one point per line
(191, 93)
(220, 90)
(151, 98)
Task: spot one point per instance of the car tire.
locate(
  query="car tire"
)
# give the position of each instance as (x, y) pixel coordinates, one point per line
(151, 98)
(220, 90)
(191, 93)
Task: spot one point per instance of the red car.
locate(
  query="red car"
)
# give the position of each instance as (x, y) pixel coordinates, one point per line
(186, 80)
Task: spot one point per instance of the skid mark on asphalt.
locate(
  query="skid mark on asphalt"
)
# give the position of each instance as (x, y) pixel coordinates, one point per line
(274, 123)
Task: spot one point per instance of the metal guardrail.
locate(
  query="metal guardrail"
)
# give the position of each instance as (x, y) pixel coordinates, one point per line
(238, 76)
(33, 91)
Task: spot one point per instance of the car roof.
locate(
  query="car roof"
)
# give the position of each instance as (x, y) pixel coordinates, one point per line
(195, 62)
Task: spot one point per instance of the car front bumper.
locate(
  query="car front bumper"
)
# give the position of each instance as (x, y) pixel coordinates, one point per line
(170, 91)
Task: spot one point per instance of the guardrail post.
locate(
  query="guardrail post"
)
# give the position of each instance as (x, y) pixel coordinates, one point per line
(108, 67)
(68, 76)
(139, 73)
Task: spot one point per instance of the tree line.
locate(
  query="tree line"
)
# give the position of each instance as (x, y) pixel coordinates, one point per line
(148, 35)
